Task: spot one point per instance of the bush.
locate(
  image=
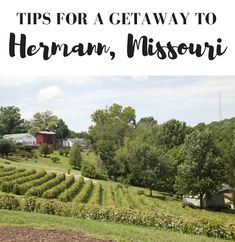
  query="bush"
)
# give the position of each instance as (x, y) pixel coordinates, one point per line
(70, 193)
(75, 157)
(7, 172)
(100, 176)
(109, 197)
(55, 191)
(23, 188)
(88, 170)
(61, 151)
(66, 151)
(85, 193)
(46, 149)
(96, 196)
(38, 191)
(201, 226)
(18, 174)
(55, 159)
(14, 185)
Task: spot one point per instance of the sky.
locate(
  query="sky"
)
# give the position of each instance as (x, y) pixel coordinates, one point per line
(192, 99)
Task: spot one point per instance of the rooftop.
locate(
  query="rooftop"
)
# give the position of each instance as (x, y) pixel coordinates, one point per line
(45, 132)
(15, 136)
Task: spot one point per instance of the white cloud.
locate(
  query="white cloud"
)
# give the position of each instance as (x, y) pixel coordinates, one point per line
(18, 81)
(51, 93)
(74, 99)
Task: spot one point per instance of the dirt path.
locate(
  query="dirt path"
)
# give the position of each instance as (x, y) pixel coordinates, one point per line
(15, 234)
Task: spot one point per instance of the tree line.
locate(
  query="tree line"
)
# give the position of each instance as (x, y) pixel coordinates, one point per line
(171, 157)
(11, 123)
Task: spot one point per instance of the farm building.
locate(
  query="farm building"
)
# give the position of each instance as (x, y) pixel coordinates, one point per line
(70, 142)
(46, 137)
(219, 200)
(24, 139)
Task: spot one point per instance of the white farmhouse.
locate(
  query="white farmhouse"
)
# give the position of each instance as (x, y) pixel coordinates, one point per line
(24, 139)
(70, 142)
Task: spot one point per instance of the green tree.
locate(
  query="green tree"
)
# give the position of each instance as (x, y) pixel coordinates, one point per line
(147, 122)
(113, 123)
(11, 121)
(88, 170)
(6, 147)
(61, 129)
(75, 157)
(147, 167)
(202, 172)
(43, 121)
(170, 134)
(46, 149)
(107, 155)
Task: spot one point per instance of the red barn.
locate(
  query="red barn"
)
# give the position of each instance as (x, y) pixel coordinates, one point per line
(46, 137)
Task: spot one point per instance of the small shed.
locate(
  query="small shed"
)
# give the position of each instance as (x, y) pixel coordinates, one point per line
(70, 142)
(22, 139)
(221, 199)
(46, 137)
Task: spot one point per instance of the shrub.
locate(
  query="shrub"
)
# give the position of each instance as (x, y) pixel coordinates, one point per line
(75, 157)
(121, 198)
(100, 176)
(96, 196)
(19, 173)
(134, 201)
(14, 185)
(55, 159)
(8, 201)
(23, 188)
(70, 193)
(39, 190)
(61, 151)
(7, 172)
(56, 190)
(85, 193)
(109, 196)
(46, 149)
(190, 225)
(88, 170)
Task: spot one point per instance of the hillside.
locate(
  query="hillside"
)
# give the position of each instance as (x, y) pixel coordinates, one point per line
(56, 194)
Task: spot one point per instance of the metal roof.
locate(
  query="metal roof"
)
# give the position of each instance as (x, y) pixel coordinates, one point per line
(15, 136)
(45, 132)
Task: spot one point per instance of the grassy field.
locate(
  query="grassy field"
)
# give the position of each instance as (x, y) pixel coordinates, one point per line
(107, 193)
(101, 193)
(96, 229)
(47, 164)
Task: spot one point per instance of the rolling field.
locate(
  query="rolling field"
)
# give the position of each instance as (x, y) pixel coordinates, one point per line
(97, 229)
(45, 163)
(108, 201)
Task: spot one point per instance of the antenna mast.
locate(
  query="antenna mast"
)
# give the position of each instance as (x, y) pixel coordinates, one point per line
(220, 117)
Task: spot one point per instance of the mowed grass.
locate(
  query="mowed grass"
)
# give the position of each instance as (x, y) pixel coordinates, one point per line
(45, 163)
(96, 229)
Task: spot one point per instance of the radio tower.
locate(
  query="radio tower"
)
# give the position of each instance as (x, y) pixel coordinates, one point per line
(220, 117)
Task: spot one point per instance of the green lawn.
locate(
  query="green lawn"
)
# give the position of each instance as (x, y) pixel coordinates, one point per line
(97, 229)
(46, 163)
